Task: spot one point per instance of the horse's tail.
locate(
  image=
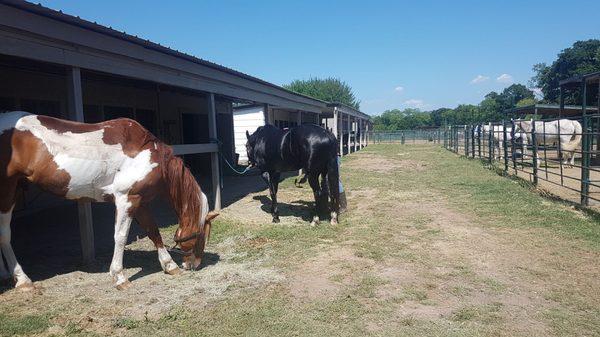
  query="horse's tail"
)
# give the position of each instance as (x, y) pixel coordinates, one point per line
(333, 181)
(575, 140)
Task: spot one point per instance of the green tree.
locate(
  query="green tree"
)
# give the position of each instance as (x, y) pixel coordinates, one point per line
(582, 58)
(327, 89)
(526, 102)
(513, 94)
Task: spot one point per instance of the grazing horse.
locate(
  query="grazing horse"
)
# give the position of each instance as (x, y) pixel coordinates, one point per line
(114, 161)
(567, 133)
(308, 147)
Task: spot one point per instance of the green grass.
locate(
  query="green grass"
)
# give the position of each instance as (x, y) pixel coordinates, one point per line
(380, 236)
(26, 325)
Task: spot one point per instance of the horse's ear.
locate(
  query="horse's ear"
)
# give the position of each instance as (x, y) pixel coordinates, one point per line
(247, 134)
(211, 215)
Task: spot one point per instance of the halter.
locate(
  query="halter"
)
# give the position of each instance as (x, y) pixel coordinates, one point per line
(180, 251)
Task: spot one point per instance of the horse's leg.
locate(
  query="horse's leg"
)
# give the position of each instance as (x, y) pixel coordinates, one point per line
(313, 180)
(146, 221)
(122, 224)
(4, 274)
(22, 282)
(273, 186)
(7, 202)
(333, 180)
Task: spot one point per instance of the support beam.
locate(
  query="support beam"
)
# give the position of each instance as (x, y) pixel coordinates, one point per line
(214, 157)
(355, 134)
(267, 114)
(349, 124)
(339, 124)
(84, 208)
(334, 124)
(299, 121)
(362, 133)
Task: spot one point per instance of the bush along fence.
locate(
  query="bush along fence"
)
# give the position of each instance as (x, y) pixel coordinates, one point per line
(560, 153)
(417, 136)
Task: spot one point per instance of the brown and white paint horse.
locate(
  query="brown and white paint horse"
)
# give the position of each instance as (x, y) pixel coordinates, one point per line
(114, 161)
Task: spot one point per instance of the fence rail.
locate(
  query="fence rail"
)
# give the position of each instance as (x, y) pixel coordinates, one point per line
(425, 136)
(561, 153)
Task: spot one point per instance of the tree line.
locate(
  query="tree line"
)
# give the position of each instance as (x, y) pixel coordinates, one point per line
(582, 58)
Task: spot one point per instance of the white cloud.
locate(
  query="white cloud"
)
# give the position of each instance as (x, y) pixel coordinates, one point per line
(415, 103)
(479, 79)
(399, 89)
(505, 78)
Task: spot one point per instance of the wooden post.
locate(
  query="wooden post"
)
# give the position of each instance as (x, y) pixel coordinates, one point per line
(362, 133)
(340, 126)
(355, 134)
(299, 121)
(349, 124)
(266, 114)
(214, 156)
(84, 208)
(334, 126)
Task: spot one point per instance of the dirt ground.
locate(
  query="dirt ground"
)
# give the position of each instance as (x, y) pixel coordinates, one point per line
(421, 251)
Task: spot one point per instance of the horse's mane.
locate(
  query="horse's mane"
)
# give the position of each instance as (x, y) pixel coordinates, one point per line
(182, 188)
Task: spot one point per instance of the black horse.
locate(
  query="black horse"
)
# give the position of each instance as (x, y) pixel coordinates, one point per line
(308, 147)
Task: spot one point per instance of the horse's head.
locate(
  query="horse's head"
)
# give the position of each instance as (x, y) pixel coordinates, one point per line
(192, 239)
(251, 142)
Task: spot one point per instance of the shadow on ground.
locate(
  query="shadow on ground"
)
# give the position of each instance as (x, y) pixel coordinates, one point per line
(47, 242)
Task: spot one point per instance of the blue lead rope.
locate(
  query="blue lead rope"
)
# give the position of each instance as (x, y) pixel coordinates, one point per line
(248, 168)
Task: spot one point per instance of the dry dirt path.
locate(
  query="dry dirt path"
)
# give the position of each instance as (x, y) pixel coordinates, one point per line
(432, 245)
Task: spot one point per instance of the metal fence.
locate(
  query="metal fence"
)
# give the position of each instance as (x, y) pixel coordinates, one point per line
(562, 154)
(425, 136)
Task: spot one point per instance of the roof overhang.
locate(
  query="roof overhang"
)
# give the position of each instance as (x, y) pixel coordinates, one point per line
(578, 80)
(35, 32)
(345, 110)
(549, 110)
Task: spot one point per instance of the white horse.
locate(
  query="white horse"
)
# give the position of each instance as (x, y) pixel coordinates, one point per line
(547, 133)
(497, 136)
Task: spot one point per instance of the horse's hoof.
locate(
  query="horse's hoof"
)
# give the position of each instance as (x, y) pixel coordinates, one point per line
(276, 220)
(333, 222)
(25, 287)
(174, 271)
(123, 286)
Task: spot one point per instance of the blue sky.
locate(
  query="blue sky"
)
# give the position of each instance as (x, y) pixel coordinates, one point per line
(395, 54)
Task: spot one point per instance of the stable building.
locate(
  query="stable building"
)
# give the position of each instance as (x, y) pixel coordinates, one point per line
(59, 65)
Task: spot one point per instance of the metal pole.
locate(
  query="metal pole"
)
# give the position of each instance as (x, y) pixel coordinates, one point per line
(466, 142)
(490, 145)
(505, 145)
(585, 157)
(472, 141)
(479, 141)
(535, 152)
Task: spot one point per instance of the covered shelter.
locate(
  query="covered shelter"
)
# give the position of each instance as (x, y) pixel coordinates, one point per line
(63, 66)
(351, 126)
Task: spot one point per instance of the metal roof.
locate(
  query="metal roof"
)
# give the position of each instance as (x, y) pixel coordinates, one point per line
(591, 77)
(349, 110)
(38, 9)
(549, 109)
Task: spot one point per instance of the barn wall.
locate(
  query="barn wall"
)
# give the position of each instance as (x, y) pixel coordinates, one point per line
(247, 119)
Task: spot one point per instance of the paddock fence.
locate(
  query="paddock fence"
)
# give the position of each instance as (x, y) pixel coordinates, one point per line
(416, 136)
(561, 155)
